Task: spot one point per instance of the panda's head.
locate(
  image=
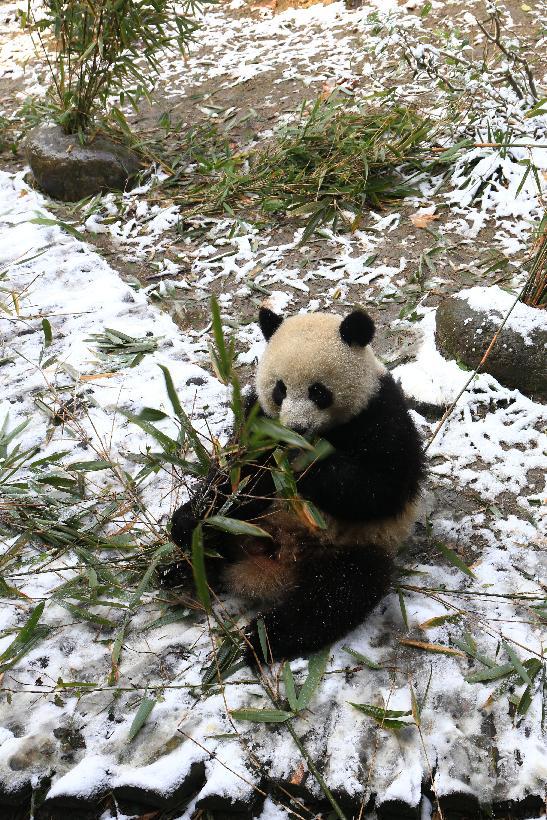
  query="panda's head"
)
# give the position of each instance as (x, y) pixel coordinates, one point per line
(318, 370)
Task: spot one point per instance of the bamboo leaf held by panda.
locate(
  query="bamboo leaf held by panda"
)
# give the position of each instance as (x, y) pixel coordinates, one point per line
(309, 513)
(222, 354)
(272, 429)
(235, 526)
(320, 450)
(201, 453)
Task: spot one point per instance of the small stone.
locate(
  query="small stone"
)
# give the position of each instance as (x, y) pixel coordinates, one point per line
(516, 360)
(66, 170)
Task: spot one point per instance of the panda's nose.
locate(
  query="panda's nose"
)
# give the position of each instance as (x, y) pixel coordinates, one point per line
(298, 428)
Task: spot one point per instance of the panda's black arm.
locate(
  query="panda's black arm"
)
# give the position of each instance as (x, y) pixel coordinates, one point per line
(345, 487)
(377, 466)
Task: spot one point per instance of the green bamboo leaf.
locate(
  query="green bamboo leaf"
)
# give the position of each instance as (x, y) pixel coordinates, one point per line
(234, 526)
(283, 479)
(116, 652)
(58, 223)
(290, 690)
(171, 392)
(416, 712)
(143, 713)
(387, 718)
(158, 556)
(533, 666)
(517, 664)
(263, 638)
(201, 452)
(86, 615)
(362, 658)
(454, 559)
(320, 216)
(99, 567)
(262, 715)
(26, 631)
(171, 617)
(151, 414)
(311, 514)
(439, 620)
(222, 664)
(469, 646)
(222, 355)
(198, 568)
(75, 684)
(7, 591)
(167, 443)
(403, 607)
(316, 669)
(48, 336)
(88, 466)
(270, 428)
(28, 636)
(320, 450)
(492, 673)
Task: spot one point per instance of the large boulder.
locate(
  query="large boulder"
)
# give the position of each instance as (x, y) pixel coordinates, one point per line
(466, 323)
(66, 170)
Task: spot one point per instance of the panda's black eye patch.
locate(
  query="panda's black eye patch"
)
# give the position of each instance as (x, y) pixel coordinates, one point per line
(320, 395)
(279, 392)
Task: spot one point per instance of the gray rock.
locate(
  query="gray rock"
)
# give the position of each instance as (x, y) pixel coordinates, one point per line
(517, 360)
(66, 170)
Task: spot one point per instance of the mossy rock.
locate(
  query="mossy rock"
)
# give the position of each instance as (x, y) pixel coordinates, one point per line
(66, 170)
(467, 322)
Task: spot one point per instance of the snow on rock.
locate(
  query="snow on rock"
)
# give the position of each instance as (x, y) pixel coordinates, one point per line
(496, 303)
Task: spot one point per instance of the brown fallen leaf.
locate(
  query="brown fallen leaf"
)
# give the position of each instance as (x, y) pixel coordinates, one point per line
(326, 90)
(431, 647)
(421, 220)
(92, 376)
(297, 776)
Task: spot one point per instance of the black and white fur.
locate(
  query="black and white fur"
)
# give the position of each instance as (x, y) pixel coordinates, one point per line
(319, 376)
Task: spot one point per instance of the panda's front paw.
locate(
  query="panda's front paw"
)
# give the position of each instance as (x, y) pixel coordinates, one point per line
(182, 525)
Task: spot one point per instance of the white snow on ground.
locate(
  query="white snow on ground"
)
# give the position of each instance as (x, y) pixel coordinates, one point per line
(490, 445)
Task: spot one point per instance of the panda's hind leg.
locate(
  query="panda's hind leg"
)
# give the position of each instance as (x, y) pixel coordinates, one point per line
(332, 594)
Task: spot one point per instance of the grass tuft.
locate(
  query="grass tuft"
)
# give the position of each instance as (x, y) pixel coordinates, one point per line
(333, 161)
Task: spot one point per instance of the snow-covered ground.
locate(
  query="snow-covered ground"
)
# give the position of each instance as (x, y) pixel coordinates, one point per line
(62, 711)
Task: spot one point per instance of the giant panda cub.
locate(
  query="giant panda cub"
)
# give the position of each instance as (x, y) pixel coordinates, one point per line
(319, 376)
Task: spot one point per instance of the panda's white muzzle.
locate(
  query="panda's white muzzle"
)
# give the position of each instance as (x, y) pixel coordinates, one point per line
(300, 415)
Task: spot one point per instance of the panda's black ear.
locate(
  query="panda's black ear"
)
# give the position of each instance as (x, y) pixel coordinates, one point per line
(357, 329)
(269, 322)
